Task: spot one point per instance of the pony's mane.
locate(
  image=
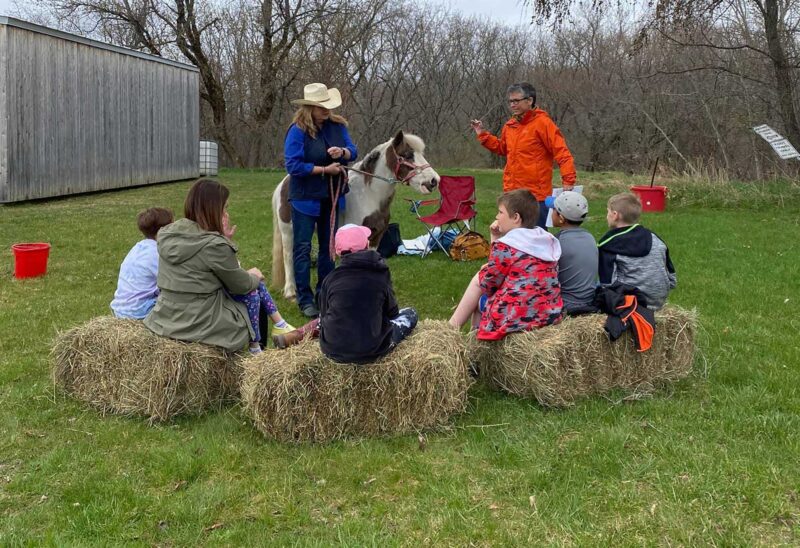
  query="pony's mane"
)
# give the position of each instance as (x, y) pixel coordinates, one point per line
(369, 162)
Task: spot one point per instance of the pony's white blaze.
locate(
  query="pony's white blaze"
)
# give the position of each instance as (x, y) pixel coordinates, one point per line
(368, 202)
(423, 175)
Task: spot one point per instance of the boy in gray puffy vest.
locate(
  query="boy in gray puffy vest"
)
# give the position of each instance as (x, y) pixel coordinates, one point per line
(633, 255)
(577, 267)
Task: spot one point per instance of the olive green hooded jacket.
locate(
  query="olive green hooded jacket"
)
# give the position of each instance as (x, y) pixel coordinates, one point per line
(197, 273)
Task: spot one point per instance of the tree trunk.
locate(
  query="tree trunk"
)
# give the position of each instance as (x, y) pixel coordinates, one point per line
(783, 75)
(219, 112)
(189, 41)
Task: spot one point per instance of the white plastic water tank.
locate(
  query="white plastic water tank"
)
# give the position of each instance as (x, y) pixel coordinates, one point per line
(208, 158)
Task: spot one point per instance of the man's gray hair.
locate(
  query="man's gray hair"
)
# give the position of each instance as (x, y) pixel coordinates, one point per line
(526, 89)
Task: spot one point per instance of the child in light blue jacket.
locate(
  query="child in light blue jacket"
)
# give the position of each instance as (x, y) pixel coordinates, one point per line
(136, 287)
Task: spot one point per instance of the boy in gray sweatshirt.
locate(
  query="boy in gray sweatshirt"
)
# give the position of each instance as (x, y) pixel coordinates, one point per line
(577, 267)
(633, 255)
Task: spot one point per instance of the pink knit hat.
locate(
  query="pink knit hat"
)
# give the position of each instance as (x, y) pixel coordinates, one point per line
(350, 238)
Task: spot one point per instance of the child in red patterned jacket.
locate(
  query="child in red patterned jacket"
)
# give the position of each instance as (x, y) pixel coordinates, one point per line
(517, 289)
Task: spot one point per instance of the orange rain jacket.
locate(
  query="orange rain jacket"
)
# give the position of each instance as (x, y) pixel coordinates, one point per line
(530, 145)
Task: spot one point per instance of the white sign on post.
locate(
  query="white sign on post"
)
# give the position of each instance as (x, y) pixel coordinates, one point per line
(782, 147)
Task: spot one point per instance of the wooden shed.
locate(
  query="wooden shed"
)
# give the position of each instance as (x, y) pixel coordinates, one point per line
(77, 115)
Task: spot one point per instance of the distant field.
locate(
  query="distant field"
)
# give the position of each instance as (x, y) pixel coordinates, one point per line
(714, 460)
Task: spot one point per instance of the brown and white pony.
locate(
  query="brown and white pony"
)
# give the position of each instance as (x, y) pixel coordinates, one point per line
(396, 161)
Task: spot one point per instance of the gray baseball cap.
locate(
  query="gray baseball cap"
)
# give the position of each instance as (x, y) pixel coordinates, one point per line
(572, 206)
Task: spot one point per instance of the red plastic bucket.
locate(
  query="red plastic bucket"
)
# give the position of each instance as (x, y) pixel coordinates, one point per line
(30, 260)
(654, 198)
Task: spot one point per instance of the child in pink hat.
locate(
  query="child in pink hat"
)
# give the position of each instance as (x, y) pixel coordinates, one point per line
(359, 320)
(351, 238)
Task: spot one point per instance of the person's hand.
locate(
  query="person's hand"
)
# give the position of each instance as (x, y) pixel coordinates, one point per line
(332, 169)
(257, 272)
(494, 231)
(477, 126)
(336, 153)
(227, 230)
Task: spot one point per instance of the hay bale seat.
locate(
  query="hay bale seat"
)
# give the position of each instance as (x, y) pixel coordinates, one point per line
(559, 364)
(120, 366)
(298, 394)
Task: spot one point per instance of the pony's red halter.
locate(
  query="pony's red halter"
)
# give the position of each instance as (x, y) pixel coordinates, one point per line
(415, 169)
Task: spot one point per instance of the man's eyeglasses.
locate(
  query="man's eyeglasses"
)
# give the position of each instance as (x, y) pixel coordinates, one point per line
(517, 101)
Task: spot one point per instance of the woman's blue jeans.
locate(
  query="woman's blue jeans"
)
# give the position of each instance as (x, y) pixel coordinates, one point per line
(303, 228)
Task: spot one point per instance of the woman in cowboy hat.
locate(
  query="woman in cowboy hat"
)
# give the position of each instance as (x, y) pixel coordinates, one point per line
(316, 146)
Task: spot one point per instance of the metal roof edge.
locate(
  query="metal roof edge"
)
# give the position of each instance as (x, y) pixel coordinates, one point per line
(33, 27)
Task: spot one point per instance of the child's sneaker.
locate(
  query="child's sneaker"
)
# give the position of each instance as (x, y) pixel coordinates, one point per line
(255, 349)
(282, 330)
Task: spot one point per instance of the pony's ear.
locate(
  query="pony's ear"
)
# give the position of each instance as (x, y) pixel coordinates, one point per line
(398, 139)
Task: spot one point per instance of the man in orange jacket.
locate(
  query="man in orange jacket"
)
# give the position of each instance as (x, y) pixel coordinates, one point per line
(530, 141)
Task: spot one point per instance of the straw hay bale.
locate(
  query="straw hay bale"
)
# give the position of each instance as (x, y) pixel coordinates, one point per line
(300, 395)
(557, 365)
(120, 366)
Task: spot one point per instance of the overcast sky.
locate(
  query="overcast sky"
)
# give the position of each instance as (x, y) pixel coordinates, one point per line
(507, 11)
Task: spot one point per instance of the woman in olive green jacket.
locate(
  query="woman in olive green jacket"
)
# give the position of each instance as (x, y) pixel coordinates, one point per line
(197, 274)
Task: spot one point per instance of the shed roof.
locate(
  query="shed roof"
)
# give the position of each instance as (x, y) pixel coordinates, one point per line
(32, 27)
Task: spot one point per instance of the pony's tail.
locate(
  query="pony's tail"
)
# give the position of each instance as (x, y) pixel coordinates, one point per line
(278, 272)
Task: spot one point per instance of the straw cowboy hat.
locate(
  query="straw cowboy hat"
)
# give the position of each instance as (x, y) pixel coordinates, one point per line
(318, 95)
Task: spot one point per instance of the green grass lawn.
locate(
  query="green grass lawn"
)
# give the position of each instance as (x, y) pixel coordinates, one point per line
(713, 460)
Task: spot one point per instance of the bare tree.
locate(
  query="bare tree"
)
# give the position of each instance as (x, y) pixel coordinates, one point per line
(678, 18)
(680, 80)
(158, 26)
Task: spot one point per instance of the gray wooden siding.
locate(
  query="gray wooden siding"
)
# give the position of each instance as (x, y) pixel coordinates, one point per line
(83, 118)
(3, 118)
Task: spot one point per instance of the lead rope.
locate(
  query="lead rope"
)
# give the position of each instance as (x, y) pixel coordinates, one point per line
(368, 174)
(334, 208)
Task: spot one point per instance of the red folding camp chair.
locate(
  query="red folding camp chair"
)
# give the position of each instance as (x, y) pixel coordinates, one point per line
(456, 209)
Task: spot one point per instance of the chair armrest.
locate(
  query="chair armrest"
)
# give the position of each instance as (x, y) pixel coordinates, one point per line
(468, 203)
(421, 202)
(416, 204)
